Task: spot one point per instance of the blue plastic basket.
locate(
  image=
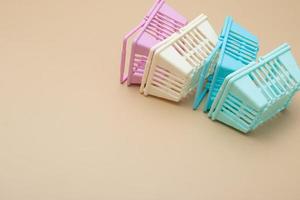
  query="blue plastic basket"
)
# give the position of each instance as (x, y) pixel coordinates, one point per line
(235, 49)
(254, 94)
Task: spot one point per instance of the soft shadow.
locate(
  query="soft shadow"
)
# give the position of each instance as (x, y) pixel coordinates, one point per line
(273, 128)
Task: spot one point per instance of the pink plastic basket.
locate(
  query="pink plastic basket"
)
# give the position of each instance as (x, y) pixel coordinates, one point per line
(161, 22)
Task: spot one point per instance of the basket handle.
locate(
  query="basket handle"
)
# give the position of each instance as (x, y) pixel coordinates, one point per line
(123, 78)
(201, 93)
(203, 88)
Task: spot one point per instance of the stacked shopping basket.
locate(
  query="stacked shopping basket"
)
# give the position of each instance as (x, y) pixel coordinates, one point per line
(172, 59)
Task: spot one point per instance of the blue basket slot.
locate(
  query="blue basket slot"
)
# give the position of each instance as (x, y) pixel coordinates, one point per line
(239, 48)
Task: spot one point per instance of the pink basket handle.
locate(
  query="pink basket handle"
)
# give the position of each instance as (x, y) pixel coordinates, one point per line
(130, 34)
(123, 59)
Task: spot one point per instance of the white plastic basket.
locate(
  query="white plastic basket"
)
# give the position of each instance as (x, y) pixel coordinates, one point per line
(173, 66)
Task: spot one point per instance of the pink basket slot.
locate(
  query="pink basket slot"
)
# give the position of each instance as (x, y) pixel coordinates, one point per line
(161, 22)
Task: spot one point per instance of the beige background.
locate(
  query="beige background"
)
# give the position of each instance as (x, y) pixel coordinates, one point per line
(69, 131)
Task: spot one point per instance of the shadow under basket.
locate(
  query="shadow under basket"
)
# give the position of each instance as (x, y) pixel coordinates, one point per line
(173, 66)
(236, 48)
(160, 22)
(254, 94)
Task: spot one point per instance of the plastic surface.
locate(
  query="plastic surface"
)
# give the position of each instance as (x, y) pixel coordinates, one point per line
(161, 22)
(256, 93)
(173, 66)
(236, 48)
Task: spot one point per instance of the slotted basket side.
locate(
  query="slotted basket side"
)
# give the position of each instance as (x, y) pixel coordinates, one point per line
(165, 82)
(131, 34)
(255, 94)
(195, 46)
(161, 26)
(239, 42)
(239, 48)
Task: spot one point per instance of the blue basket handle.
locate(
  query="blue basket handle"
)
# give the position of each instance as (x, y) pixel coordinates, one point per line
(203, 87)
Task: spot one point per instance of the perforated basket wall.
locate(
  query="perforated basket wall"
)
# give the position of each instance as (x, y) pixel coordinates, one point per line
(173, 66)
(161, 22)
(236, 48)
(255, 94)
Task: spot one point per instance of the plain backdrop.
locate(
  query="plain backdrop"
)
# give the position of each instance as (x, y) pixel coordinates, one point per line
(70, 131)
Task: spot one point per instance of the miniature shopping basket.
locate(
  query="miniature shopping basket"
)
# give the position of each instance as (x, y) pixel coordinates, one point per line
(161, 22)
(254, 94)
(174, 65)
(235, 49)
